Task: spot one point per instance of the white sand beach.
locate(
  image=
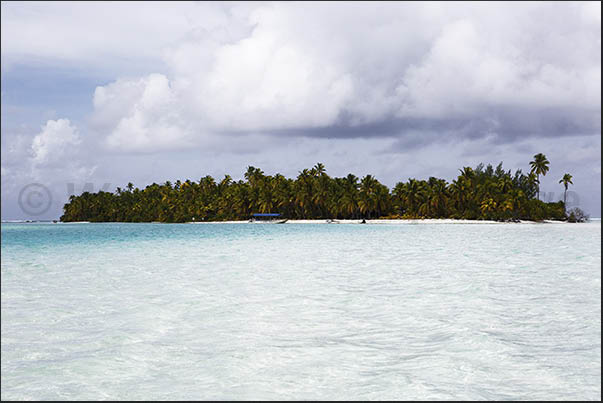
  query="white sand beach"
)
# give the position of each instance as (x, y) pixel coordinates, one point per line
(391, 221)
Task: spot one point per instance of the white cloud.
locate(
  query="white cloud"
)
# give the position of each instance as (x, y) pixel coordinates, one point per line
(263, 82)
(56, 154)
(140, 114)
(474, 65)
(53, 157)
(118, 36)
(221, 67)
(57, 140)
(292, 66)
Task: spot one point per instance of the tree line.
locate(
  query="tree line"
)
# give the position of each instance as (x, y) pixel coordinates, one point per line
(483, 192)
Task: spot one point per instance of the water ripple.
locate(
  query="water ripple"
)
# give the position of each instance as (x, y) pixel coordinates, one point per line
(220, 312)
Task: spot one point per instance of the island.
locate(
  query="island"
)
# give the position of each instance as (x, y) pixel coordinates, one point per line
(480, 193)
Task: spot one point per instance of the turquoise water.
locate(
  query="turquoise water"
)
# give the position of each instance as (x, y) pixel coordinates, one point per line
(301, 311)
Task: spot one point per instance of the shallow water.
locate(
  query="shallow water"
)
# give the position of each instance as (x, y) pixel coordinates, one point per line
(301, 311)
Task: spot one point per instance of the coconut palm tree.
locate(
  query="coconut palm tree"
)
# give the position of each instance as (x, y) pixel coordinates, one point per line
(517, 198)
(367, 202)
(438, 197)
(482, 192)
(349, 199)
(320, 169)
(566, 180)
(505, 184)
(412, 195)
(540, 166)
(398, 193)
(487, 207)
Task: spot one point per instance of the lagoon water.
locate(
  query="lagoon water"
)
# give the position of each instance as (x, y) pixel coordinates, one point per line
(301, 311)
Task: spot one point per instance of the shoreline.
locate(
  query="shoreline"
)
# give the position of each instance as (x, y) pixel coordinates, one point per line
(393, 221)
(323, 221)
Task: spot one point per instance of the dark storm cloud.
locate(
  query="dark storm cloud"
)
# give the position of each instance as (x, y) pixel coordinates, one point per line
(501, 126)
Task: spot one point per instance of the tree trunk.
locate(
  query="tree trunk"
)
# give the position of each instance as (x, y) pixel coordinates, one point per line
(538, 182)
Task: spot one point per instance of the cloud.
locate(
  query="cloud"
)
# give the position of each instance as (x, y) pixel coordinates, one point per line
(388, 87)
(499, 71)
(53, 157)
(121, 37)
(140, 114)
(56, 154)
(468, 70)
(56, 140)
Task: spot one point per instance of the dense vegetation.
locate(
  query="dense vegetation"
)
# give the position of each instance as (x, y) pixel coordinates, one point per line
(479, 193)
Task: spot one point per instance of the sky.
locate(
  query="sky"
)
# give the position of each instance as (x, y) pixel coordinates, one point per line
(98, 94)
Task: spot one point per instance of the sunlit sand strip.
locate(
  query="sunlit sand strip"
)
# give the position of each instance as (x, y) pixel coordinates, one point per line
(390, 222)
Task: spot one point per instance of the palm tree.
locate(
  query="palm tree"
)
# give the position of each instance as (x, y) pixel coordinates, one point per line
(367, 202)
(303, 192)
(488, 206)
(566, 180)
(517, 198)
(349, 200)
(540, 166)
(382, 199)
(412, 195)
(398, 197)
(482, 192)
(320, 169)
(505, 184)
(438, 197)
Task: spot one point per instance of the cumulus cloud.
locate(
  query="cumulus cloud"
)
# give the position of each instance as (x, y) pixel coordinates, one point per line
(57, 139)
(523, 70)
(55, 154)
(52, 157)
(140, 114)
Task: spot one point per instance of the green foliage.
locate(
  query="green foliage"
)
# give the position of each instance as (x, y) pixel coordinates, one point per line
(556, 211)
(481, 193)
